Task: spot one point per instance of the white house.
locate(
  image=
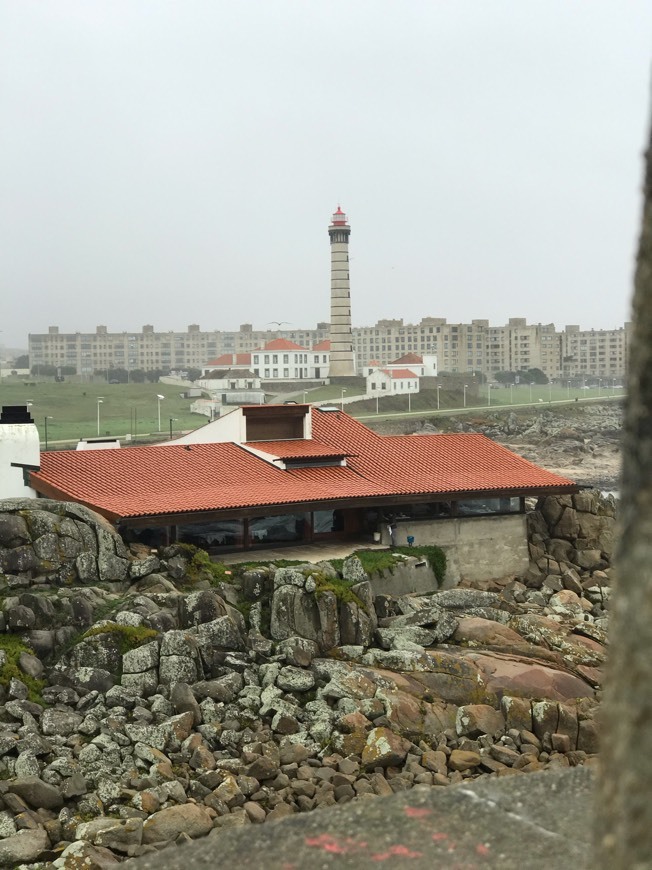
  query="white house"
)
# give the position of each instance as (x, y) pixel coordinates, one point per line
(423, 366)
(392, 382)
(283, 360)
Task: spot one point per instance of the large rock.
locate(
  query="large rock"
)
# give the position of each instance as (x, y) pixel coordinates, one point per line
(36, 793)
(168, 823)
(384, 748)
(23, 847)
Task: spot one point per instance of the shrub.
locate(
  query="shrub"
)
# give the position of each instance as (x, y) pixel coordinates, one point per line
(129, 636)
(202, 567)
(12, 646)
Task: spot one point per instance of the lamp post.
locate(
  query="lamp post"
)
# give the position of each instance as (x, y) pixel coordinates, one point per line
(599, 386)
(159, 397)
(488, 394)
(530, 392)
(438, 389)
(45, 420)
(511, 394)
(569, 391)
(100, 400)
(172, 420)
(376, 402)
(466, 386)
(550, 392)
(304, 397)
(409, 402)
(342, 398)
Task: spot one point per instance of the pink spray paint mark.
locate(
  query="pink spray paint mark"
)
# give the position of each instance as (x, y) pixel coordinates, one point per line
(417, 812)
(397, 851)
(329, 843)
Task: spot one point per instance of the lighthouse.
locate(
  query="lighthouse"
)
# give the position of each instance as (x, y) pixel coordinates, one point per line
(342, 358)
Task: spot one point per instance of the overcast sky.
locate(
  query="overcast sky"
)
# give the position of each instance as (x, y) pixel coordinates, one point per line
(178, 162)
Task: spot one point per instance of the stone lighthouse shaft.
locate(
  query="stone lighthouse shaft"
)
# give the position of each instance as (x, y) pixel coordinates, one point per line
(342, 359)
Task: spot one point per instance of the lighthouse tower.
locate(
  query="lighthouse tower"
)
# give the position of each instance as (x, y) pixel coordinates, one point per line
(342, 358)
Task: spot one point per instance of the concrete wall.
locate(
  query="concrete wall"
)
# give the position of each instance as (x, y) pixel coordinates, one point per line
(411, 575)
(477, 548)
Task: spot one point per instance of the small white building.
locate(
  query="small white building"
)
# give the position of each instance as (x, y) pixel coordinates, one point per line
(423, 366)
(392, 381)
(227, 361)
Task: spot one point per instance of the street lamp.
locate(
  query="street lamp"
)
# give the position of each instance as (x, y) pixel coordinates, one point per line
(488, 394)
(599, 386)
(438, 389)
(342, 398)
(531, 385)
(172, 420)
(45, 420)
(511, 394)
(569, 391)
(466, 386)
(100, 400)
(159, 397)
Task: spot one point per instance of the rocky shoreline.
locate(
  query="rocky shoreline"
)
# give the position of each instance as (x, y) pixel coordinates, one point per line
(149, 699)
(577, 441)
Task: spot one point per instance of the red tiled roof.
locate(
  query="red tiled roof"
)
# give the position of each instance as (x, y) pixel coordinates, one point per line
(296, 449)
(408, 359)
(147, 481)
(230, 359)
(281, 344)
(324, 345)
(399, 373)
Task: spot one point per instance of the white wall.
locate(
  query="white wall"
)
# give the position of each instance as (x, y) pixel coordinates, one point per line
(19, 442)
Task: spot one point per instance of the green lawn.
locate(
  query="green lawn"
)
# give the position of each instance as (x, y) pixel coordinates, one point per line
(332, 393)
(125, 408)
(452, 400)
(133, 408)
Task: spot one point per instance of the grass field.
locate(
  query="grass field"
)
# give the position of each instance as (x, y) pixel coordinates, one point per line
(133, 408)
(125, 408)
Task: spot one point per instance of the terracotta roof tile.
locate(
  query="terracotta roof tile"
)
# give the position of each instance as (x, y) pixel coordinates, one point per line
(144, 481)
(296, 448)
(324, 345)
(408, 359)
(281, 344)
(400, 373)
(230, 359)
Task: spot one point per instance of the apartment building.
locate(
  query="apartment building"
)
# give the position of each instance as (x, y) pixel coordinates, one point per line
(459, 347)
(103, 350)
(596, 353)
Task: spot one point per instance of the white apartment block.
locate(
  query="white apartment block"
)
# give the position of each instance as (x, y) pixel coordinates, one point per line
(459, 347)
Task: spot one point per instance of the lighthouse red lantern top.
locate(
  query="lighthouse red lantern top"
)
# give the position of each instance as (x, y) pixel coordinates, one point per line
(339, 218)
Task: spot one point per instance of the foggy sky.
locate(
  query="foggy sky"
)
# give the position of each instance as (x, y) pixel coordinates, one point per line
(178, 162)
